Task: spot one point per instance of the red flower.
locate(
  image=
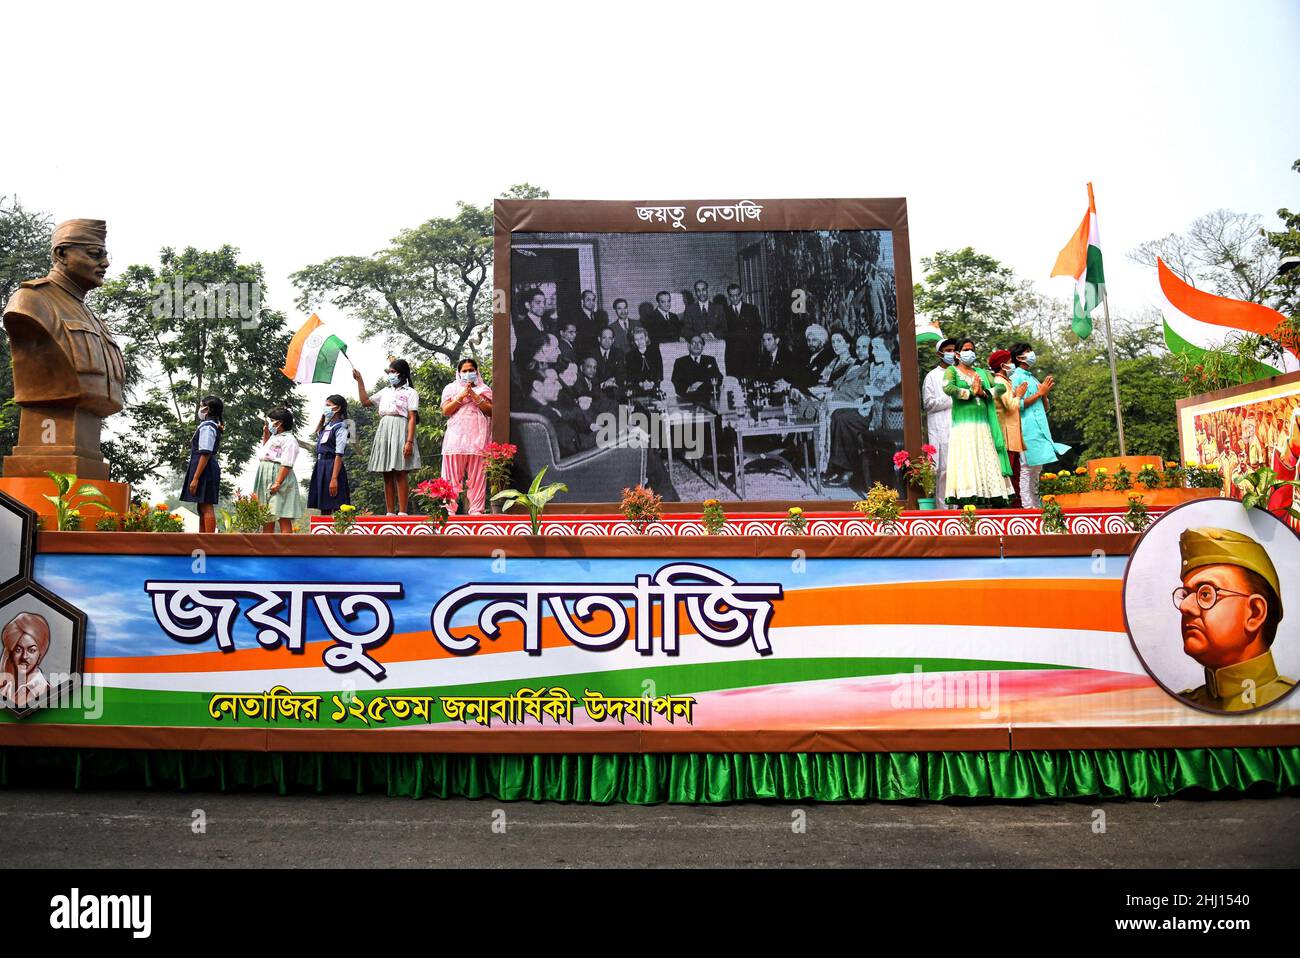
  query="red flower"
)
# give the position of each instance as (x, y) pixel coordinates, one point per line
(929, 450)
(901, 459)
(438, 489)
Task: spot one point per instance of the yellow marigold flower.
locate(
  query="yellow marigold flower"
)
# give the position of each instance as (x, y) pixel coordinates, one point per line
(796, 511)
(1171, 464)
(969, 507)
(1190, 464)
(1048, 475)
(347, 508)
(1049, 498)
(1081, 471)
(161, 507)
(1102, 470)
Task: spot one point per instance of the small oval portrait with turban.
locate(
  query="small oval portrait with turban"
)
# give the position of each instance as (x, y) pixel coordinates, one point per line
(25, 640)
(1212, 606)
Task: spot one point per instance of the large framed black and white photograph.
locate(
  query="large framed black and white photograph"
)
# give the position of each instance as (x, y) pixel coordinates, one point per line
(689, 348)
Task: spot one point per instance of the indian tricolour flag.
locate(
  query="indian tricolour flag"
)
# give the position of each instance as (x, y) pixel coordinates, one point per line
(928, 333)
(313, 352)
(1081, 259)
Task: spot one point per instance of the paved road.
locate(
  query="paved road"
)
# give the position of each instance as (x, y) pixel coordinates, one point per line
(148, 829)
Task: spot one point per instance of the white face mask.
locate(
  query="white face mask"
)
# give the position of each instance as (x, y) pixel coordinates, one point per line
(968, 357)
(330, 412)
(1008, 368)
(272, 426)
(394, 379)
(468, 376)
(1029, 358)
(203, 414)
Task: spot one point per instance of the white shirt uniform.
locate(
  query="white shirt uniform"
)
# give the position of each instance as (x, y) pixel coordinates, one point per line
(938, 423)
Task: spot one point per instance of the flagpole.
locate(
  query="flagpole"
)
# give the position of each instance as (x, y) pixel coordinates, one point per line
(1114, 376)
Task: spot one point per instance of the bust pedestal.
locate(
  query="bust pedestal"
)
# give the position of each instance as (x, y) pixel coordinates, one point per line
(57, 439)
(43, 446)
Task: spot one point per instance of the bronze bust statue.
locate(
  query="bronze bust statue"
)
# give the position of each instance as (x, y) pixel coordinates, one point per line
(68, 370)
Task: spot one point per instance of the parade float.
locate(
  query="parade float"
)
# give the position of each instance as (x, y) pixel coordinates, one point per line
(796, 649)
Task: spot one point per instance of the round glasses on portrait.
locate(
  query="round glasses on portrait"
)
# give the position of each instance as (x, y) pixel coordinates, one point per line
(1206, 595)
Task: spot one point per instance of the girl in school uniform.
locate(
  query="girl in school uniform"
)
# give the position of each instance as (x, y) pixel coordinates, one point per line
(329, 477)
(276, 485)
(202, 483)
(394, 452)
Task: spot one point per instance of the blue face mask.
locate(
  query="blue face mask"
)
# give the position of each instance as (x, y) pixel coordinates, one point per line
(1029, 359)
(329, 412)
(468, 376)
(948, 359)
(394, 379)
(968, 357)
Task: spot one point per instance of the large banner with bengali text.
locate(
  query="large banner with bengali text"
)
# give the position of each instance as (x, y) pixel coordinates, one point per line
(680, 652)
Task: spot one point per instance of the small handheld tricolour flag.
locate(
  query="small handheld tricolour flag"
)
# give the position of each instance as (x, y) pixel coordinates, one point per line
(1081, 259)
(313, 351)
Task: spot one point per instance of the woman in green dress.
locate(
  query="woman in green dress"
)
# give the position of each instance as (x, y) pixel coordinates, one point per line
(979, 471)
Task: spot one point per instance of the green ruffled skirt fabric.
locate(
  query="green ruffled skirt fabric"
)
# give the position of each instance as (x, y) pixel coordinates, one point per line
(679, 778)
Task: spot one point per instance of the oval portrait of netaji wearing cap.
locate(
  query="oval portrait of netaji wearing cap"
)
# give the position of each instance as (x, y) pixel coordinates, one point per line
(1212, 606)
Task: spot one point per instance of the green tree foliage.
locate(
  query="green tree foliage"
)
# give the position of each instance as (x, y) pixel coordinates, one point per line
(179, 349)
(24, 254)
(969, 294)
(1082, 409)
(428, 294)
(1286, 242)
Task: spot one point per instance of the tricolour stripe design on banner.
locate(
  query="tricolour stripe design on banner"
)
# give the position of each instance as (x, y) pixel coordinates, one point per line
(313, 352)
(1093, 604)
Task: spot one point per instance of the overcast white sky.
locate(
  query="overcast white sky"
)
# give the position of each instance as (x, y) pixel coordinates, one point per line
(301, 131)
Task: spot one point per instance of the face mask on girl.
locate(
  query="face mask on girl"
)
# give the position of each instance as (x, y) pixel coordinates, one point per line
(1029, 358)
(203, 413)
(1008, 368)
(468, 376)
(272, 426)
(394, 379)
(968, 357)
(330, 412)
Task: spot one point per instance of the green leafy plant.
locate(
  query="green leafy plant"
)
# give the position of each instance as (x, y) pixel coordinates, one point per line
(794, 521)
(1175, 476)
(108, 522)
(248, 514)
(1122, 481)
(345, 517)
(1053, 516)
(138, 519)
(1100, 479)
(1258, 485)
(969, 518)
(1138, 516)
(714, 519)
(68, 503)
(882, 505)
(163, 519)
(534, 500)
(1204, 477)
(1148, 477)
(641, 507)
